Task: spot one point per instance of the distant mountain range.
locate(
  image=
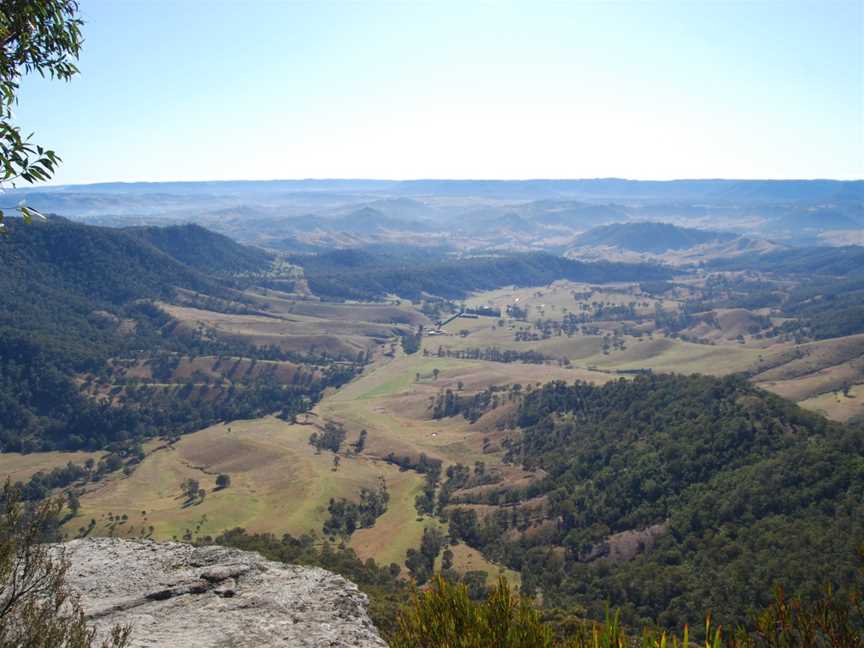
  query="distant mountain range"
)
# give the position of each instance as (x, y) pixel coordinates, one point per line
(480, 216)
(603, 189)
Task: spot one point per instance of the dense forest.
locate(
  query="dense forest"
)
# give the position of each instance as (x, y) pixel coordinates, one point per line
(355, 274)
(740, 487)
(204, 250)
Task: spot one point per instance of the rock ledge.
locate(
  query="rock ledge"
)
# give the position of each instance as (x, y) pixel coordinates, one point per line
(175, 594)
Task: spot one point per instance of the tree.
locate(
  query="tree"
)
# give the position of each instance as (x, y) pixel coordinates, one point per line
(73, 502)
(444, 615)
(447, 559)
(37, 606)
(42, 36)
(361, 442)
(190, 488)
(223, 481)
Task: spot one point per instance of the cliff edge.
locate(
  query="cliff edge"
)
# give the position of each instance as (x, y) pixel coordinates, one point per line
(177, 595)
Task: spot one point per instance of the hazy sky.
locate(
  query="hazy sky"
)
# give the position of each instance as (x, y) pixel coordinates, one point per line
(226, 90)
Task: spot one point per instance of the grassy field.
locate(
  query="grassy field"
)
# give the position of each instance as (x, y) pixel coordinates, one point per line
(290, 332)
(554, 300)
(836, 405)
(466, 559)
(393, 406)
(657, 352)
(278, 484)
(15, 466)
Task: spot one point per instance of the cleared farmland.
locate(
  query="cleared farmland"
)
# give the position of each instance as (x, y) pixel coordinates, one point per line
(278, 484)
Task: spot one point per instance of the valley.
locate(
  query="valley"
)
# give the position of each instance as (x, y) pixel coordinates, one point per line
(431, 325)
(280, 484)
(390, 411)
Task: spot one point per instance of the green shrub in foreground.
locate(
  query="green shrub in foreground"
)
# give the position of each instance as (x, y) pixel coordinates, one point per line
(444, 616)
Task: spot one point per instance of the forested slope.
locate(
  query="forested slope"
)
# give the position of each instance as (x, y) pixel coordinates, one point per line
(353, 274)
(74, 296)
(751, 491)
(202, 249)
(650, 237)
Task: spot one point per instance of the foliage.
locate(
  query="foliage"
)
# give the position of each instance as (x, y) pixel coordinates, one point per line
(651, 237)
(355, 275)
(421, 562)
(346, 516)
(745, 487)
(806, 261)
(444, 616)
(204, 250)
(37, 607)
(411, 342)
(330, 438)
(76, 296)
(42, 36)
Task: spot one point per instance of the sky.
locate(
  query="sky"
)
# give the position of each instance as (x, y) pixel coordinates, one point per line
(217, 90)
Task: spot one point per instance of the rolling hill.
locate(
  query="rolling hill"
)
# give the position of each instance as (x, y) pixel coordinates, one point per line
(76, 297)
(650, 237)
(203, 250)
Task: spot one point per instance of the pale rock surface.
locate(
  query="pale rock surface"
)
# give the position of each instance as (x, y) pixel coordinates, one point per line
(177, 595)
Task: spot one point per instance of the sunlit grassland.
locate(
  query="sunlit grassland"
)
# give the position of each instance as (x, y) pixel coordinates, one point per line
(15, 466)
(836, 405)
(278, 484)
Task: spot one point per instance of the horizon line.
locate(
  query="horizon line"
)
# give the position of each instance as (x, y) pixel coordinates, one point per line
(427, 179)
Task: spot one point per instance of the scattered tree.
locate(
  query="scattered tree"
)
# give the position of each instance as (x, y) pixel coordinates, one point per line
(190, 489)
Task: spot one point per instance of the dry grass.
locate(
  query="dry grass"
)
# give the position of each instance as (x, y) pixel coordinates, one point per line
(278, 484)
(295, 333)
(835, 405)
(15, 466)
(467, 559)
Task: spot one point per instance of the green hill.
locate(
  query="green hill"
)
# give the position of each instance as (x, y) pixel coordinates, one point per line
(743, 488)
(75, 296)
(202, 249)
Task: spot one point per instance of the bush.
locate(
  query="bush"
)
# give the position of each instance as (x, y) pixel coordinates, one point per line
(445, 616)
(37, 607)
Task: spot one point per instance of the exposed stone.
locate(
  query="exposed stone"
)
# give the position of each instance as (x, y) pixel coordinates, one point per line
(625, 545)
(177, 595)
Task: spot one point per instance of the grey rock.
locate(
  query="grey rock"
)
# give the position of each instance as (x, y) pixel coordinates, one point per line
(177, 595)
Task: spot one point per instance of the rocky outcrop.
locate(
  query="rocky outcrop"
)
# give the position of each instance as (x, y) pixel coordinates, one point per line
(625, 545)
(177, 595)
